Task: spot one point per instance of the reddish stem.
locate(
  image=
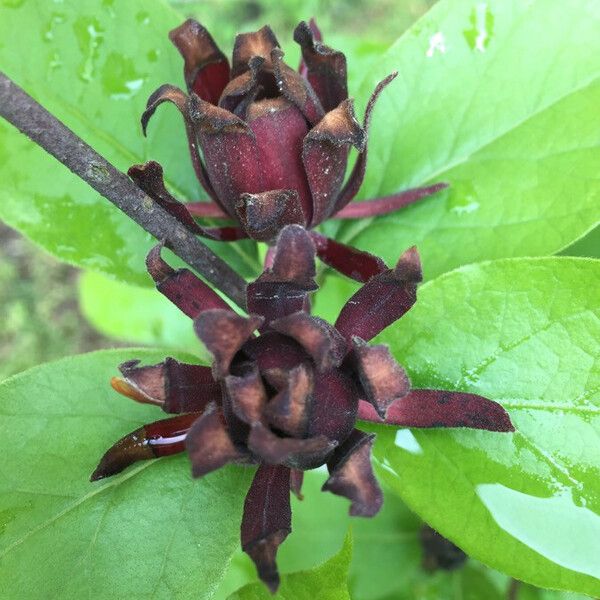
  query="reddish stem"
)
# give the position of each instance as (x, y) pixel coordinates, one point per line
(206, 209)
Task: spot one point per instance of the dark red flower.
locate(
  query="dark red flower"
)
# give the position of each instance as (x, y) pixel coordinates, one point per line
(286, 388)
(269, 144)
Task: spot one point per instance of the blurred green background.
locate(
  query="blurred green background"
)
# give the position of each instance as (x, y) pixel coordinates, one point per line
(40, 315)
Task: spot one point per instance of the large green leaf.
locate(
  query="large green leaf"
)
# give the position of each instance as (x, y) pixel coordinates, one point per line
(500, 100)
(93, 64)
(326, 582)
(525, 333)
(150, 532)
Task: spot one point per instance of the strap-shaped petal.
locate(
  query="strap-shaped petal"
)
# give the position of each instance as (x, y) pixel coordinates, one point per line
(267, 520)
(382, 300)
(149, 178)
(243, 89)
(171, 93)
(296, 479)
(298, 453)
(206, 68)
(351, 475)
(253, 44)
(264, 215)
(190, 294)
(209, 445)
(320, 339)
(296, 89)
(223, 332)
(325, 67)
(247, 396)
(283, 289)
(439, 408)
(351, 262)
(161, 438)
(358, 172)
(383, 380)
(230, 151)
(174, 386)
(325, 155)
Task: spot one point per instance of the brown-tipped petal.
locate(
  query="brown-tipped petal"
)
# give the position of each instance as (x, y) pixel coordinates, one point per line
(299, 453)
(325, 67)
(182, 287)
(334, 406)
(296, 89)
(382, 300)
(439, 408)
(288, 409)
(383, 206)
(206, 68)
(243, 89)
(161, 438)
(171, 93)
(267, 520)
(383, 380)
(296, 479)
(356, 264)
(149, 178)
(247, 396)
(318, 36)
(176, 387)
(294, 256)
(358, 172)
(322, 341)
(209, 445)
(223, 333)
(351, 475)
(248, 45)
(325, 154)
(230, 152)
(264, 215)
(272, 350)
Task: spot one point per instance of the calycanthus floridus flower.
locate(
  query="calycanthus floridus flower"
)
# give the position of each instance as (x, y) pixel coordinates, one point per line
(270, 144)
(286, 389)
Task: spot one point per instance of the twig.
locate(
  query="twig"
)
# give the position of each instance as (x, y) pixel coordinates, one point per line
(32, 119)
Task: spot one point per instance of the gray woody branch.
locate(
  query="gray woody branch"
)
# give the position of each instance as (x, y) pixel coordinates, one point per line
(32, 119)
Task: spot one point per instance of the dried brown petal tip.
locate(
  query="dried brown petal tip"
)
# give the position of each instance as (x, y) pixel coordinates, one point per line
(248, 45)
(165, 93)
(351, 475)
(247, 396)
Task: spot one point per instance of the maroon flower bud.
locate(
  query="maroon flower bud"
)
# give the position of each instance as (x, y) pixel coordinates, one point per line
(270, 145)
(286, 388)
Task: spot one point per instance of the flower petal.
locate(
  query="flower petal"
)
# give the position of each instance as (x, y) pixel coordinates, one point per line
(209, 445)
(241, 91)
(358, 172)
(223, 333)
(382, 300)
(283, 289)
(206, 68)
(171, 93)
(247, 396)
(296, 479)
(382, 378)
(356, 264)
(264, 215)
(272, 350)
(182, 287)
(321, 340)
(388, 204)
(288, 410)
(351, 475)
(299, 453)
(161, 438)
(267, 520)
(296, 89)
(174, 386)
(149, 178)
(439, 408)
(249, 45)
(325, 155)
(325, 67)
(230, 152)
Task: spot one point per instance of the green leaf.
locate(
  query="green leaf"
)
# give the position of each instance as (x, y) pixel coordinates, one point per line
(500, 100)
(93, 64)
(589, 245)
(136, 315)
(523, 332)
(150, 532)
(326, 582)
